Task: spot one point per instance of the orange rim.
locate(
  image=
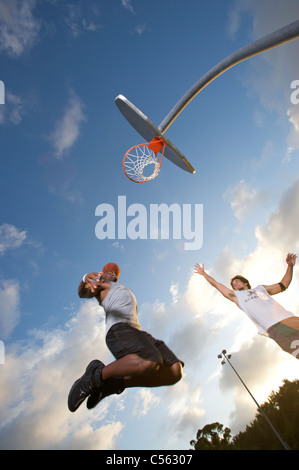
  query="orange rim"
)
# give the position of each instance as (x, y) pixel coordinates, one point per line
(132, 168)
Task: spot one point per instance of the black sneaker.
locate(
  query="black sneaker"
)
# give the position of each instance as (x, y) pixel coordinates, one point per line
(90, 381)
(109, 387)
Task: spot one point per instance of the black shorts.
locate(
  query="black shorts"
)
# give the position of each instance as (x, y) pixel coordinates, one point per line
(123, 339)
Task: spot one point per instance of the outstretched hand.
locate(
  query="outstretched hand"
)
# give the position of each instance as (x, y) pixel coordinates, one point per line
(199, 269)
(291, 259)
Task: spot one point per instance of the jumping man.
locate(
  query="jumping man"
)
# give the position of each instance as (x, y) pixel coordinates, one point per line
(141, 360)
(270, 318)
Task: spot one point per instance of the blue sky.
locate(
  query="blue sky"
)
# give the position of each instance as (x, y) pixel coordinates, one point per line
(62, 143)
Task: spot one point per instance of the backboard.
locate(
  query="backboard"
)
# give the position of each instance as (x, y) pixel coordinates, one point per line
(147, 129)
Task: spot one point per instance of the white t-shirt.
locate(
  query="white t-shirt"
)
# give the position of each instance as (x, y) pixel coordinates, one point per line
(261, 308)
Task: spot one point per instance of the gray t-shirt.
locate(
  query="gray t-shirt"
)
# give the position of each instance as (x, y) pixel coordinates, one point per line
(120, 305)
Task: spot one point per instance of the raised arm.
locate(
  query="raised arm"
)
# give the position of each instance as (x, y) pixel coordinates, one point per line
(94, 285)
(287, 278)
(225, 291)
(86, 289)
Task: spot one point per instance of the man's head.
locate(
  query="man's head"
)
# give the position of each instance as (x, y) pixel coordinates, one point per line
(110, 272)
(108, 277)
(240, 283)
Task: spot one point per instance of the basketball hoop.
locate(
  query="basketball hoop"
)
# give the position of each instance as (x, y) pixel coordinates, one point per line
(141, 162)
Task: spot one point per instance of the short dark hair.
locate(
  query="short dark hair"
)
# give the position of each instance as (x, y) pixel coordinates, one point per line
(243, 279)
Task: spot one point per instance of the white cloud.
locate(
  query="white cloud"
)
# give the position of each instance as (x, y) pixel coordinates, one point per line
(267, 156)
(35, 381)
(18, 26)
(127, 5)
(271, 73)
(145, 400)
(14, 109)
(174, 290)
(10, 238)
(67, 130)
(141, 28)
(9, 307)
(243, 199)
(293, 140)
(80, 19)
(274, 239)
(282, 13)
(184, 408)
(71, 195)
(281, 229)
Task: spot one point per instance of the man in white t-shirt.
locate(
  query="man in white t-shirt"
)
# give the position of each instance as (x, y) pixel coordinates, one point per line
(270, 318)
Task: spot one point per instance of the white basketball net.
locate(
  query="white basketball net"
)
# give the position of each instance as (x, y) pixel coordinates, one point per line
(138, 163)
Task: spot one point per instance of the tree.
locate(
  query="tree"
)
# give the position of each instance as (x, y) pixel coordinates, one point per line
(212, 437)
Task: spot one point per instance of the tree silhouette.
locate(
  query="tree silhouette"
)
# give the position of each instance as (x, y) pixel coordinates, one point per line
(212, 437)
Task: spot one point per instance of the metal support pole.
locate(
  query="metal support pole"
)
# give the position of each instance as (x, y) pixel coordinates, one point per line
(283, 35)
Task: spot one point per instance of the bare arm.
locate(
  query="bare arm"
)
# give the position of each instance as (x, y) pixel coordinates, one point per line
(287, 278)
(86, 289)
(225, 291)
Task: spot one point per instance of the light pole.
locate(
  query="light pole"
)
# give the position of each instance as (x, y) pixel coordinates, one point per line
(227, 359)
